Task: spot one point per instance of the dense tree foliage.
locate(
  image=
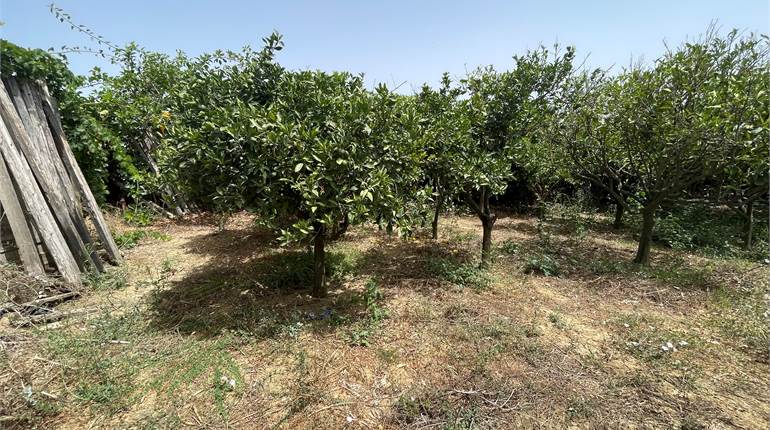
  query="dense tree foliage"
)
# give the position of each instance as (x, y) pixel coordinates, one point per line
(313, 152)
(649, 134)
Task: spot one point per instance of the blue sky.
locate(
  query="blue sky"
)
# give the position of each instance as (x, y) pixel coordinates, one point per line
(392, 42)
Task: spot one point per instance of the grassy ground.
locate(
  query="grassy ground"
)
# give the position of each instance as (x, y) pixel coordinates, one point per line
(207, 329)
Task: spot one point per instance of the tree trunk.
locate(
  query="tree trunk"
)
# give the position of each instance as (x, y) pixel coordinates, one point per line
(748, 226)
(486, 241)
(389, 228)
(319, 263)
(439, 205)
(645, 238)
(619, 211)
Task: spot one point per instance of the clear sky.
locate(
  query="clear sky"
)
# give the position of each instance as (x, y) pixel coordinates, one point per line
(392, 42)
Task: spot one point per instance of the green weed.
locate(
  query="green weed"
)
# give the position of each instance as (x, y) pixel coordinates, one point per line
(542, 264)
(462, 275)
(130, 239)
(375, 313)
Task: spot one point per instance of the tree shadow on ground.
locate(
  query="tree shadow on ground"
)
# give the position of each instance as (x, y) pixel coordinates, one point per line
(250, 285)
(410, 264)
(600, 257)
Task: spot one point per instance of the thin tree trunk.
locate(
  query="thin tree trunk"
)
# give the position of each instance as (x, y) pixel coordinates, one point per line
(487, 222)
(486, 241)
(439, 206)
(619, 211)
(748, 225)
(645, 238)
(389, 228)
(319, 263)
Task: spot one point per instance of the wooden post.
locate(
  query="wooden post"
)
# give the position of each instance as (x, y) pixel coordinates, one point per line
(34, 104)
(21, 171)
(52, 114)
(16, 219)
(34, 151)
(23, 97)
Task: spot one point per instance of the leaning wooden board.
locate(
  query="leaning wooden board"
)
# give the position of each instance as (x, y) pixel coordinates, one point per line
(89, 202)
(18, 221)
(21, 172)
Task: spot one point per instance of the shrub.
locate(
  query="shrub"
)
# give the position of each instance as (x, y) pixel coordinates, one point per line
(543, 265)
(509, 247)
(462, 275)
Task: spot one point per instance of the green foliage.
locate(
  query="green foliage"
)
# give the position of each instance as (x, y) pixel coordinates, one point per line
(714, 231)
(509, 247)
(461, 275)
(131, 238)
(650, 134)
(138, 215)
(294, 269)
(542, 264)
(375, 313)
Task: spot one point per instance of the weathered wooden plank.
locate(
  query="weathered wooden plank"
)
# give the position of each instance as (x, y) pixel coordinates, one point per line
(28, 99)
(34, 103)
(19, 227)
(3, 257)
(54, 120)
(33, 145)
(21, 172)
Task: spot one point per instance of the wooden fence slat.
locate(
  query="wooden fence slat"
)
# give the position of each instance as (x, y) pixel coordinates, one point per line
(21, 171)
(3, 257)
(92, 207)
(32, 145)
(45, 139)
(52, 113)
(16, 219)
(34, 103)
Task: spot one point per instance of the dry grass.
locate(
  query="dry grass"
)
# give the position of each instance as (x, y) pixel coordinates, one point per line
(215, 330)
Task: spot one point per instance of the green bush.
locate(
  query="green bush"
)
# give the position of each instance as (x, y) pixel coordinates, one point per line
(543, 265)
(463, 275)
(700, 227)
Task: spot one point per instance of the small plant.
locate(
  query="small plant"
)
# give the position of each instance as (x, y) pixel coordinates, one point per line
(462, 275)
(375, 313)
(131, 238)
(557, 320)
(509, 247)
(113, 279)
(138, 215)
(543, 265)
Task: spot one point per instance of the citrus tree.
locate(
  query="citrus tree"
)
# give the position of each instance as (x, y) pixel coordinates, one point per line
(505, 109)
(325, 154)
(667, 127)
(587, 131)
(445, 133)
